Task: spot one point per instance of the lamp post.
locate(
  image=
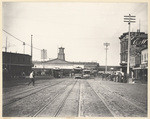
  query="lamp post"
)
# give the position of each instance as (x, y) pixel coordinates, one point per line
(106, 48)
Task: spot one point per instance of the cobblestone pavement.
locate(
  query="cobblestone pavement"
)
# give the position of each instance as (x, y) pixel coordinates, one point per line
(70, 97)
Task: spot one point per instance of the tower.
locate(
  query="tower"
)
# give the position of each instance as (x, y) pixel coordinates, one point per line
(61, 54)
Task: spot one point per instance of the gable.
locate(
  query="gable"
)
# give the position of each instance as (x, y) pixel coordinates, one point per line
(57, 61)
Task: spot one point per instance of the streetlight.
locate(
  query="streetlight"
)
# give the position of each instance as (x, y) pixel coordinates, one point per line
(106, 45)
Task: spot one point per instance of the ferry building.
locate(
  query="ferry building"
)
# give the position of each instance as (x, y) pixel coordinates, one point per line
(59, 67)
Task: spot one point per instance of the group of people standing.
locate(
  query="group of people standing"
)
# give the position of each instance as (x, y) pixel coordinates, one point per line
(119, 77)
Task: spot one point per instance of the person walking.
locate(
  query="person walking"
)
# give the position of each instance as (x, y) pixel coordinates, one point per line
(23, 75)
(32, 78)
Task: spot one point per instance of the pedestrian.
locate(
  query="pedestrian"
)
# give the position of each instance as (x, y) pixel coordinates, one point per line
(102, 76)
(32, 78)
(23, 75)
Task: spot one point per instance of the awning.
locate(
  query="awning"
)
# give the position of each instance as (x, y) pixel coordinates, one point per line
(136, 68)
(139, 68)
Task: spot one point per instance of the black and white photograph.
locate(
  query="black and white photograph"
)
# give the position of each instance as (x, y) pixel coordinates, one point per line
(74, 59)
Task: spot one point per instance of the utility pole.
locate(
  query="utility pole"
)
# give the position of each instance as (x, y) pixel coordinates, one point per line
(24, 47)
(139, 26)
(106, 45)
(130, 19)
(6, 45)
(31, 48)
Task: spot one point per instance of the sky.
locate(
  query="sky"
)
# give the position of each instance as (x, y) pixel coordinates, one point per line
(81, 28)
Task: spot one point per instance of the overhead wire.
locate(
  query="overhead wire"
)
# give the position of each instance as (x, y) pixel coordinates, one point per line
(20, 40)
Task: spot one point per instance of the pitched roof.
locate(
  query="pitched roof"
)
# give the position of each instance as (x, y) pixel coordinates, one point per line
(56, 61)
(59, 61)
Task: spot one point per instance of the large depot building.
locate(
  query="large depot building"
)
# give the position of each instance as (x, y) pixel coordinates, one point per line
(60, 66)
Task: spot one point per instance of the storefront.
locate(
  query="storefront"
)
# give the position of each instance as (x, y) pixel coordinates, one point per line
(140, 73)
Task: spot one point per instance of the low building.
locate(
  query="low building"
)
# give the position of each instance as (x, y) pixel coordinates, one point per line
(14, 64)
(60, 66)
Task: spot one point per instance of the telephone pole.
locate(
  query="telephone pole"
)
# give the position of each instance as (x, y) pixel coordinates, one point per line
(24, 47)
(31, 48)
(6, 45)
(106, 48)
(130, 19)
(139, 26)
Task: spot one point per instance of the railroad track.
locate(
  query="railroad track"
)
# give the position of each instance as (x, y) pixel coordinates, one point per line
(28, 90)
(58, 110)
(79, 100)
(126, 99)
(122, 113)
(100, 97)
(129, 100)
(32, 93)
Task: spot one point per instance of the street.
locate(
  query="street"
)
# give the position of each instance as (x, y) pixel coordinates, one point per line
(69, 97)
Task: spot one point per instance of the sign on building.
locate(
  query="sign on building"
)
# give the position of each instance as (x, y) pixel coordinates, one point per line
(43, 54)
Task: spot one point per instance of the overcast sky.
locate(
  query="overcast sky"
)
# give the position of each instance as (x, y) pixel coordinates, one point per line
(80, 27)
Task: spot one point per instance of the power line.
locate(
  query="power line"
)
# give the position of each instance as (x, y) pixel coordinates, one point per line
(34, 47)
(13, 36)
(20, 40)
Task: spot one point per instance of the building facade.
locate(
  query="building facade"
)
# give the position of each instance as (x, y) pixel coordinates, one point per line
(60, 66)
(138, 42)
(14, 64)
(140, 72)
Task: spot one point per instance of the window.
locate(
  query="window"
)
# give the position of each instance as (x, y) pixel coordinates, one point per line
(123, 57)
(126, 45)
(123, 47)
(147, 57)
(142, 58)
